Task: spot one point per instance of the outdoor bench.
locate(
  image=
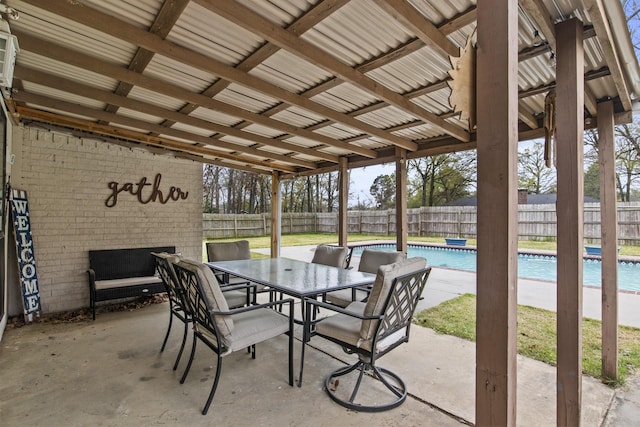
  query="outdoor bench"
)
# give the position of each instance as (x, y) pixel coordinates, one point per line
(123, 273)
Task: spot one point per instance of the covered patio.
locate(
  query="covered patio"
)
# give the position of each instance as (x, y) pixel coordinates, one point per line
(292, 88)
(110, 372)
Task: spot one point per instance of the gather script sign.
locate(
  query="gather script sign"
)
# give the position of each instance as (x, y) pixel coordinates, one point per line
(144, 191)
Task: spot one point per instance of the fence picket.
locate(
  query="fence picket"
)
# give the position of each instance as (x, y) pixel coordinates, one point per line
(535, 222)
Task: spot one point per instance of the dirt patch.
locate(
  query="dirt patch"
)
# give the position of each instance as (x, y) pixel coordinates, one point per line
(84, 314)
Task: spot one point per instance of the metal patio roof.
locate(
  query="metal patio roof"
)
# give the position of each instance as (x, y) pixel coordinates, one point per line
(289, 85)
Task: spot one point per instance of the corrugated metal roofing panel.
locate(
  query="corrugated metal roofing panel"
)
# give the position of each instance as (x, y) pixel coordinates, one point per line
(177, 73)
(207, 33)
(358, 31)
(141, 13)
(138, 115)
(282, 12)
(290, 72)
(155, 98)
(345, 98)
(61, 69)
(70, 34)
(214, 116)
(192, 129)
(298, 117)
(246, 98)
(63, 95)
(262, 131)
(337, 131)
(386, 117)
(413, 71)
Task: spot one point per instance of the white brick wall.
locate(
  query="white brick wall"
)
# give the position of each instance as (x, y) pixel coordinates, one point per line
(66, 180)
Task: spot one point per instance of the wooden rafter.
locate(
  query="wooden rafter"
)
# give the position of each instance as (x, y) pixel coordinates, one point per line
(538, 13)
(428, 33)
(603, 33)
(130, 135)
(129, 33)
(164, 22)
(299, 26)
(86, 91)
(248, 19)
(74, 108)
(48, 49)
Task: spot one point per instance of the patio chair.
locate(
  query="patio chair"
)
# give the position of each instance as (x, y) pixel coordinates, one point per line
(335, 256)
(231, 251)
(370, 260)
(177, 305)
(235, 297)
(226, 330)
(228, 251)
(370, 330)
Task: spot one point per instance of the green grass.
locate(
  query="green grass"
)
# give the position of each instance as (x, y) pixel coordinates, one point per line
(537, 335)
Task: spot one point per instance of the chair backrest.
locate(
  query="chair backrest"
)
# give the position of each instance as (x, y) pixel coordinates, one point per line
(371, 259)
(164, 266)
(395, 294)
(334, 256)
(203, 294)
(228, 251)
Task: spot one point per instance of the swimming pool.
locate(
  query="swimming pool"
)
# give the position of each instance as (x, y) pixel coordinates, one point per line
(530, 266)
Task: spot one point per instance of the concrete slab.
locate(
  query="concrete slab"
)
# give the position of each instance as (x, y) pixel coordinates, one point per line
(110, 372)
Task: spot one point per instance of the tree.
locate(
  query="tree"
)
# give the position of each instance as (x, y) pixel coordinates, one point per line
(443, 178)
(592, 181)
(383, 191)
(533, 173)
(632, 10)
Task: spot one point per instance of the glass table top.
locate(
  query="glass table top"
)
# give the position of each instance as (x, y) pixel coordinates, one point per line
(294, 277)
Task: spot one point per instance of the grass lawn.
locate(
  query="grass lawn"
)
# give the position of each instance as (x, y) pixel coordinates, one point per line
(537, 335)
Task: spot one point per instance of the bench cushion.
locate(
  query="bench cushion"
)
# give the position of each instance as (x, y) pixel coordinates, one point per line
(130, 281)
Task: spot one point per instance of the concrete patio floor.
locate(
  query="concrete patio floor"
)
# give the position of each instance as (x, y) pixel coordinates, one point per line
(110, 373)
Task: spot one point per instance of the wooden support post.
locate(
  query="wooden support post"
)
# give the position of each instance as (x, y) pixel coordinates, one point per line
(276, 214)
(402, 232)
(343, 199)
(497, 281)
(570, 212)
(609, 240)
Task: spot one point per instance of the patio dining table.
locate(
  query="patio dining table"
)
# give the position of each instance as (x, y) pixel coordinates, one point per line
(295, 278)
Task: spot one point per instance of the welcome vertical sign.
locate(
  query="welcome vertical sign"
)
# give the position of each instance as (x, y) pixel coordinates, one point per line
(26, 255)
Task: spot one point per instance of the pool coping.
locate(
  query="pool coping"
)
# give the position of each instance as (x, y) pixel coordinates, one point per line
(624, 258)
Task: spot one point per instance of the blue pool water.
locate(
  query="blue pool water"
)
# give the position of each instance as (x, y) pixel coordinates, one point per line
(530, 266)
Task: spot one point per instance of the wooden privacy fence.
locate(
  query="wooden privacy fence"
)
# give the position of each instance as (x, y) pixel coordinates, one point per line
(535, 222)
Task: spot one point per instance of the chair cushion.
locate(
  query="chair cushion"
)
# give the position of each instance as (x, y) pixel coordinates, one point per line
(344, 297)
(342, 326)
(334, 256)
(381, 289)
(252, 327)
(212, 293)
(371, 259)
(228, 251)
(129, 281)
(235, 298)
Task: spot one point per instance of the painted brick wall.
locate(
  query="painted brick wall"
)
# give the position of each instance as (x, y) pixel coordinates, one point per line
(66, 180)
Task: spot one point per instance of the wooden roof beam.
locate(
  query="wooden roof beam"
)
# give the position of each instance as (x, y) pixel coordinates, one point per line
(133, 136)
(409, 17)
(605, 37)
(122, 30)
(50, 50)
(248, 19)
(169, 13)
(89, 92)
(84, 111)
